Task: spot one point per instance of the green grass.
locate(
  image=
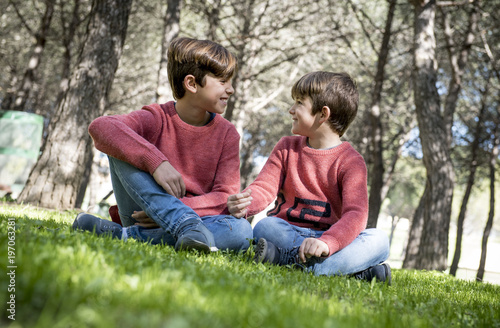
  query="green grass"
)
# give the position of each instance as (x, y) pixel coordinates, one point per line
(74, 279)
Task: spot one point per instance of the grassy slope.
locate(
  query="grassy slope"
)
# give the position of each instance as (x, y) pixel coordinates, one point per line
(74, 279)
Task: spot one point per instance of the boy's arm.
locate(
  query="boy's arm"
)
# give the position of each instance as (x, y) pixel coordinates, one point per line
(354, 217)
(130, 138)
(268, 183)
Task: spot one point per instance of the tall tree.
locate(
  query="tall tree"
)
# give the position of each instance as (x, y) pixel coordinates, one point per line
(58, 175)
(377, 171)
(19, 98)
(491, 214)
(438, 194)
(171, 28)
(473, 164)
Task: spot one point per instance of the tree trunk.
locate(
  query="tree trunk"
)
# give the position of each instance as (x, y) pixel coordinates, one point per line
(470, 182)
(57, 177)
(415, 235)
(212, 12)
(69, 31)
(171, 29)
(489, 223)
(458, 61)
(23, 92)
(377, 171)
(433, 249)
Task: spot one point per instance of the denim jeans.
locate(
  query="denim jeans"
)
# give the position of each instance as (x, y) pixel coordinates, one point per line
(370, 248)
(136, 190)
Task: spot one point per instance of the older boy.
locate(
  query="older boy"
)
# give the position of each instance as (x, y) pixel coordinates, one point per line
(320, 182)
(178, 161)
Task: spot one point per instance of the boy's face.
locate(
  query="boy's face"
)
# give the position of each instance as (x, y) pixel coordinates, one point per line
(215, 94)
(303, 120)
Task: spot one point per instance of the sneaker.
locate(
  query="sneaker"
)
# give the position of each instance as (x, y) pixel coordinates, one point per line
(267, 252)
(194, 235)
(97, 225)
(381, 272)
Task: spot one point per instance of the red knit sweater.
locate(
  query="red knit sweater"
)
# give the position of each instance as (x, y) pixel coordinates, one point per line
(207, 156)
(317, 189)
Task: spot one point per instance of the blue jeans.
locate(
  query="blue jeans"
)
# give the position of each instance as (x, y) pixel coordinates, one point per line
(370, 248)
(136, 190)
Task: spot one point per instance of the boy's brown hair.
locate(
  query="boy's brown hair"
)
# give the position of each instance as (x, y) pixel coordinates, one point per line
(338, 91)
(198, 58)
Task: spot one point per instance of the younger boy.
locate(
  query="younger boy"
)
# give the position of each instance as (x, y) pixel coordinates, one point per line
(178, 161)
(321, 210)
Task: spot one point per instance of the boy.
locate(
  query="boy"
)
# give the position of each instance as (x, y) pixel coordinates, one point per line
(321, 209)
(178, 161)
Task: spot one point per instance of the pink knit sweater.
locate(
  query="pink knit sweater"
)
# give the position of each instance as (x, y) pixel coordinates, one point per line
(317, 189)
(207, 156)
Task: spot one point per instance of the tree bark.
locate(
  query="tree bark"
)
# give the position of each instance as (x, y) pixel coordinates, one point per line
(489, 223)
(171, 30)
(377, 171)
(470, 181)
(57, 177)
(433, 249)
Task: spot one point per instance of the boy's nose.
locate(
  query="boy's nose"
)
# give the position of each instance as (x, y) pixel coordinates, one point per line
(230, 89)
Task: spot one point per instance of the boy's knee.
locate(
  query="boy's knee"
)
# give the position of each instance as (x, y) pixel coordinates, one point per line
(244, 229)
(242, 234)
(265, 227)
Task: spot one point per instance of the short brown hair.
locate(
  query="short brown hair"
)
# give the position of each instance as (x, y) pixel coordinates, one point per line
(198, 58)
(338, 91)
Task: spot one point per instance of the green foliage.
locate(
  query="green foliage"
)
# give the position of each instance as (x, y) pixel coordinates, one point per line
(74, 279)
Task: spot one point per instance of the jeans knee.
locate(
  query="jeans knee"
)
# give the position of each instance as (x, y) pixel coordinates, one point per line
(266, 227)
(244, 229)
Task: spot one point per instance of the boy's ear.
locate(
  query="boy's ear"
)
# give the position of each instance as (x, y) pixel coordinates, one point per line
(190, 83)
(324, 114)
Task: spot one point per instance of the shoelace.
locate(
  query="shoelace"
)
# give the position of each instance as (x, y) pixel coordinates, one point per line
(288, 256)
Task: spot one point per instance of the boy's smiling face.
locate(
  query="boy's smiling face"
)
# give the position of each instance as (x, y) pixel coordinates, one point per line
(215, 94)
(303, 119)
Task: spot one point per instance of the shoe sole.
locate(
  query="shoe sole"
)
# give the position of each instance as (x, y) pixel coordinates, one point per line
(388, 274)
(260, 251)
(190, 244)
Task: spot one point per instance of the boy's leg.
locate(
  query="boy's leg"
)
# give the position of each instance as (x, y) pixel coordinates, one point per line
(281, 233)
(229, 232)
(127, 206)
(142, 190)
(370, 248)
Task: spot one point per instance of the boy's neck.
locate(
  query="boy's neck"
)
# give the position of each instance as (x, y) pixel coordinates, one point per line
(191, 114)
(324, 141)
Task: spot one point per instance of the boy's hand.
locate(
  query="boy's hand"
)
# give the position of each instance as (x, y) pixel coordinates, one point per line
(170, 180)
(144, 220)
(237, 204)
(312, 247)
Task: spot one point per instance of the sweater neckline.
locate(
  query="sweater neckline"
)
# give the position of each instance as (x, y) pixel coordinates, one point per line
(313, 151)
(180, 123)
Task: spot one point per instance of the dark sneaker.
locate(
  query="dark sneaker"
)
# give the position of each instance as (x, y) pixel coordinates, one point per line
(267, 252)
(381, 272)
(97, 225)
(194, 235)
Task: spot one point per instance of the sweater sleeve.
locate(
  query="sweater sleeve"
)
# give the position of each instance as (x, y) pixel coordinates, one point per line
(130, 137)
(226, 182)
(266, 186)
(352, 180)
